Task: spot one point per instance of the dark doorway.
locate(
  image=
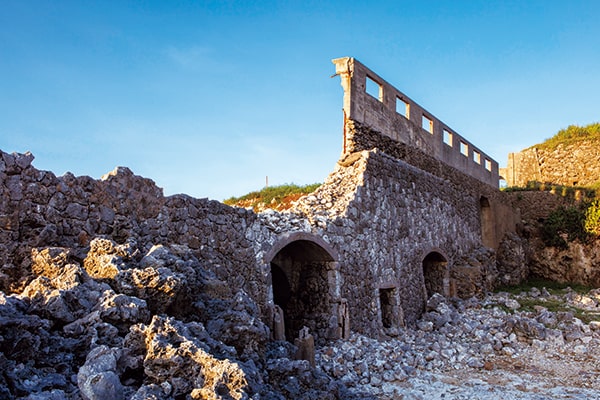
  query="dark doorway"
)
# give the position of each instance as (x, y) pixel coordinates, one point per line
(434, 273)
(487, 223)
(300, 281)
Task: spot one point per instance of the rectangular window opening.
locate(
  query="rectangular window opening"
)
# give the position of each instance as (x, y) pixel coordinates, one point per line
(402, 107)
(427, 124)
(464, 149)
(448, 138)
(374, 89)
(488, 164)
(477, 156)
(387, 302)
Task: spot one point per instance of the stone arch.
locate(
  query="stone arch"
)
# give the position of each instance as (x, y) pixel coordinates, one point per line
(436, 275)
(305, 285)
(486, 215)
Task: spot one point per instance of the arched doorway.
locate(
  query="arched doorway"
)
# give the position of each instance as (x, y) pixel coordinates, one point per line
(306, 285)
(435, 273)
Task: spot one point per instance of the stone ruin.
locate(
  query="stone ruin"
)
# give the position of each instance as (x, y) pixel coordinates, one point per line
(119, 270)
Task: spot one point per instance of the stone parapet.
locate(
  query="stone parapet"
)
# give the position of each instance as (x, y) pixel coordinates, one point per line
(371, 101)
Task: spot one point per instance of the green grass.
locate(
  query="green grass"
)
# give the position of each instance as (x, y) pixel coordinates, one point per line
(272, 196)
(571, 135)
(528, 304)
(571, 192)
(552, 287)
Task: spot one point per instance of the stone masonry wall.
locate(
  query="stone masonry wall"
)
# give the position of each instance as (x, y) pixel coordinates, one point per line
(384, 216)
(371, 101)
(548, 166)
(361, 137)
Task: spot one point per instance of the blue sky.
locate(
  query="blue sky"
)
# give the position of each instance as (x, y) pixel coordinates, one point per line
(208, 98)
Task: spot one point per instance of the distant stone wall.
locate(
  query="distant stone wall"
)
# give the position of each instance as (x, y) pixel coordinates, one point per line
(575, 164)
(535, 206)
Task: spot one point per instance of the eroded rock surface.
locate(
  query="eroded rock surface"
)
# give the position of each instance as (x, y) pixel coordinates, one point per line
(128, 325)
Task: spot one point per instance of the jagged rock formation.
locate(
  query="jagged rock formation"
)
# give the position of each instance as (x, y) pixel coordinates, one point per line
(108, 329)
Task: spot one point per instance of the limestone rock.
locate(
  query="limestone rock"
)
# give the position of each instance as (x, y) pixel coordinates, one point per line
(173, 353)
(97, 378)
(512, 260)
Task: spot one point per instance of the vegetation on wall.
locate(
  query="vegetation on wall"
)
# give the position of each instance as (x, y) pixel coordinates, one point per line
(592, 218)
(276, 197)
(566, 224)
(572, 134)
(563, 225)
(585, 193)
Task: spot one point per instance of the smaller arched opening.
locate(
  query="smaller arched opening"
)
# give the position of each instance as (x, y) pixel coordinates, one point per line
(487, 222)
(435, 273)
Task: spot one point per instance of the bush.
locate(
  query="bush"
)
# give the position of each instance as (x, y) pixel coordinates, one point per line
(572, 134)
(565, 224)
(592, 218)
(276, 197)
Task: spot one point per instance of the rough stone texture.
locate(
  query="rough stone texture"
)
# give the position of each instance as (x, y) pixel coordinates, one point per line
(578, 263)
(374, 210)
(513, 258)
(69, 335)
(548, 166)
(476, 349)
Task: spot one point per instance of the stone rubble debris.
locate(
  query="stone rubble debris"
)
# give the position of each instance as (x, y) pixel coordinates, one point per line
(489, 348)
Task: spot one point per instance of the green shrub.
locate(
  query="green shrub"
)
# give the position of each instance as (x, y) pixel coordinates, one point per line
(565, 224)
(592, 218)
(572, 134)
(272, 196)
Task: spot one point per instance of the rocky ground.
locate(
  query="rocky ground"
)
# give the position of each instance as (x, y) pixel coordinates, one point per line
(122, 322)
(480, 349)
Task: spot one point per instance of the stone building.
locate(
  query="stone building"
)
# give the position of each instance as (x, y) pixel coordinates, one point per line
(411, 208)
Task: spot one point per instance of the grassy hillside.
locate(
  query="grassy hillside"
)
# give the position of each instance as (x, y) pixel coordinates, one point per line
(275, 197)
(572, 134)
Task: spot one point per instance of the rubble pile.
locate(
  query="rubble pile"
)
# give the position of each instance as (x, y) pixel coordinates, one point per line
(125, 325)
(490, 348)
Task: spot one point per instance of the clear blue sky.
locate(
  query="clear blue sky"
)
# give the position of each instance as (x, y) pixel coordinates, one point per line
(209, 97)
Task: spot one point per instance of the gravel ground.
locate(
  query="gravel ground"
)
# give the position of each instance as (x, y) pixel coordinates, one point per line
(479, 349)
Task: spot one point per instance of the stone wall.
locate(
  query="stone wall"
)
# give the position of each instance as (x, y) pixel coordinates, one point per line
(576, 164)
(384, 216)
(503, 219)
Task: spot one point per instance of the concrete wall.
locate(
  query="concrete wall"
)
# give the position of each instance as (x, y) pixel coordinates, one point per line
(392, 113)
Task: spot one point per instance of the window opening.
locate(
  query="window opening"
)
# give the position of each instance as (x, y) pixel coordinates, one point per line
(477, 156)
(448, 138)
(402, 107)
(386, 302)
(488, 164)
(427, 124)
(374, 89)
(464, 149)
